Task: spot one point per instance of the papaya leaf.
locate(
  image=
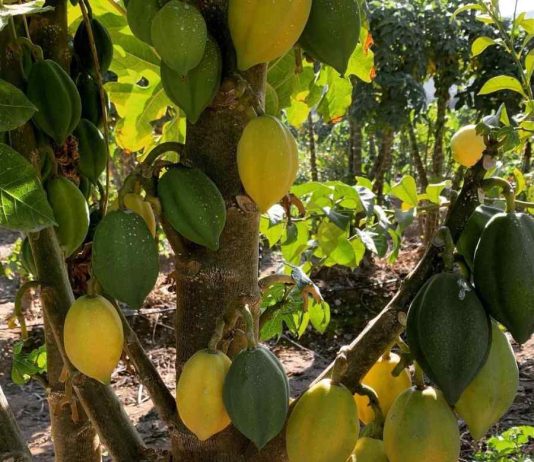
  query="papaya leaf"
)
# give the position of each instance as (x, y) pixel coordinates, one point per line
(15, 108)
(406, 190)
(340, 220)
(337, 99)
(502, 82)
(26, 365)
(319, 314)
(480, 45)
(529, 65)
(9, 11)
(433, 191)
(362, 61)
(468, 7)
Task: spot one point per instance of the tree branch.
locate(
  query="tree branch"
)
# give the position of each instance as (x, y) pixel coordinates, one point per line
(12, 445)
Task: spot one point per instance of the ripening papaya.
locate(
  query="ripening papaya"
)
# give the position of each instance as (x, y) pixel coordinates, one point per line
(267, 160)
(504, 272)
(420, 427)
(263, 31)
(179, 35)
(332, 32)
(90, 97)
(137, 204)
(71, 212)
(103, 44)
(93, 337)
(140, 14)
(387, 387)
(199, 393)
(467, 146)
(493, 390)
(54, 94)
(370, 450)
(323, 426)
(195, 91)
(91, 149)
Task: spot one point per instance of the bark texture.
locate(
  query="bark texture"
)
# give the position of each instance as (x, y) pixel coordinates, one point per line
(12, 445)
(355, 149)
(438, 159)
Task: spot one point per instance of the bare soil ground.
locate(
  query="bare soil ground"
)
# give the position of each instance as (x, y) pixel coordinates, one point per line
(355, 298)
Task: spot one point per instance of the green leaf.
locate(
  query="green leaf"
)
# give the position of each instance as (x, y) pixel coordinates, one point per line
(527, 24)
(502, 82)
(529, 65)
(480, 44)
(23, 203)
(520, 183)
(15, 108)
(340, 220)
(470, 6)
(26, 365)
(9, 11)
(362, 61)
(406, 190)
(337, 99)
(319, 315)
(433, 191)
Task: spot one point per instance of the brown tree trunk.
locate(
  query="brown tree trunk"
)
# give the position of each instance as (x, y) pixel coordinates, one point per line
(12, 445)
(355, 149)
(383, 162)
(416, 157)
(438, 159)
(313, 149)
(527, 157)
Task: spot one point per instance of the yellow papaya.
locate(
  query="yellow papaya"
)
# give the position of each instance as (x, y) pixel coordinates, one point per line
(420, 426)
(467, 146)
(137, 204)
(263, 31)
(493, 390)
(386, 386)
(267, 160)
(370, 450)
(93, 337)
(323, 426)
(199, 393)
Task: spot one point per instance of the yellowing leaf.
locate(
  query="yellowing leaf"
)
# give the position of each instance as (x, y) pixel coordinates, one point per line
(502, 82)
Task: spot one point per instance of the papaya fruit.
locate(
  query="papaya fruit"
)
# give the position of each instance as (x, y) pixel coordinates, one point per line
(71, 212)
(92, 150)
(272, 103)
(125, 257)
(85, 187)
(179, 35)
(449, 333)
(199, 393)
(140, 14)
(93, 337)
(420, 427)
(493, 390)
(256, 396)
(195, 91)
(90, 97)
(54, 94)
(370, 450)
(103, 44)
(468, 240)
(323, 426)
(26, 257)
(193, 205)
(263, 31)
(332, 32)
(267, 160)
(137, 204)
(467, 146)
(386, 386)
(503, 272)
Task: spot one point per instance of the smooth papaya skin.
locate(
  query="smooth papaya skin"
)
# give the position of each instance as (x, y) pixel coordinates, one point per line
(267, 161)
(71, 212)
(140, 14)
(90, 97)
(467, 146)
(263, 31)
(92, 150)
(370, 450)
(143, 208)
(421, 427)
(504, 272)
(93, 337)
(103, 43)
(199, 393)
(323, 426)
(386, 386)
(179, 35)
(493, 390)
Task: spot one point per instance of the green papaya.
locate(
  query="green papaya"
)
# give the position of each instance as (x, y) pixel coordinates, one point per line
(195, 91)
(255, 395)
(332, 32)
(493, 390)
(90, 97)
(140, 14)
(85, 186)
(468, 240)
(125, 257)
(449, 333)
(179, 34)
(504, 272)
(26, 257)
(103, 44)
(55, 95)
(70, 211)
(193, 205)
(272, 103)
(92, 150)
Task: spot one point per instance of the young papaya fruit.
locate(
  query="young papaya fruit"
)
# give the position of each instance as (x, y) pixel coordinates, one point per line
(93, 337)
(504, 273)
(140, 14)
(420, 427)
(179, 35)
(54, 94)
(387, 387)
(90, 97)
(193, 205)
(449, 333)
(467, 146)
(493, 390)
(370, 450)
(86, 188)
(267, 160)
(263, 31)
(195, 91)
(199, 393)
(323, 426)
(103, 43)
(71, 212)
(256, 396)
(332, 32)
(137, 204)
(92, 150)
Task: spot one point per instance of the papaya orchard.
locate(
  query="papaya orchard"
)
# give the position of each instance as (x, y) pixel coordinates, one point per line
(133, 129)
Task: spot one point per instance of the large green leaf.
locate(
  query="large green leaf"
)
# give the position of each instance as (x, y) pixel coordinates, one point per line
(15, 108)
(406, 190)
(338, 97)
(23, 203)
(480, 44)
(9, 11)
(502, 82)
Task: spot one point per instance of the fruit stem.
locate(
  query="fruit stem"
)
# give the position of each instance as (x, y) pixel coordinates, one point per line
(340, 366)
(444, 239)
(507, 190)
(93, 287)
(249, 322)
(18, 305)
(217, 335)
(161, 149)
(419, 376)
(364, 390)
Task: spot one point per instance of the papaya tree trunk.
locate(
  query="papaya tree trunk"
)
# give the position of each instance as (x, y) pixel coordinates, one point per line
(527, 157)
(438, 158)
(12, 445)
(313, 149)
(416, 157)
(355, 149)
